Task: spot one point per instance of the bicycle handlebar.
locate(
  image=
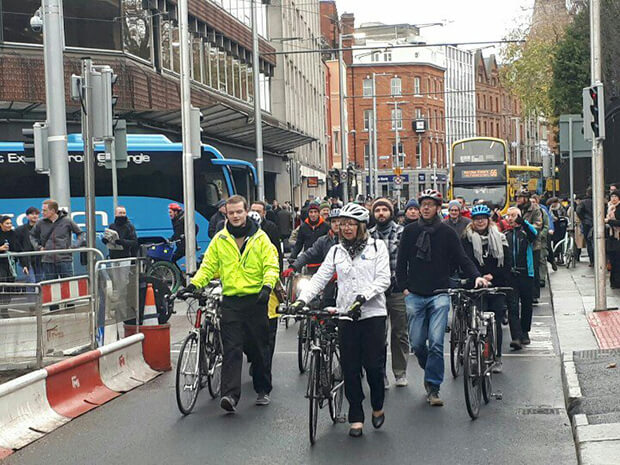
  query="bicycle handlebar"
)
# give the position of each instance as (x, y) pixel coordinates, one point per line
(480, 290)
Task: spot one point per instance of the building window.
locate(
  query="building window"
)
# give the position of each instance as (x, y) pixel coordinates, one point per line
(428, 88)
(416, 85)
(397, 119)
(94, 26)
(395, 87)
(366, 154)
(336, 141)
(418, 153)
(387, 55)
(367, 118)
(418, 113)
(137, 29)
(375, 56)
(367, 88)
(196, 62)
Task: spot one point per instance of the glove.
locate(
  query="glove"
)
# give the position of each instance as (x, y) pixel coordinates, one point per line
(355, 310)
(288, 272)
(519, 220)
(297, 306)
(186, 291)
(263, 295)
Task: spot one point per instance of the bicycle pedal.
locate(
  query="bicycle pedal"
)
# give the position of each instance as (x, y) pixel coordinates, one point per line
(497, 395)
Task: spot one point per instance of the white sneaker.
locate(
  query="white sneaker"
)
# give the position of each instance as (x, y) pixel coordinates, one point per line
(401, 381)
(498, 367)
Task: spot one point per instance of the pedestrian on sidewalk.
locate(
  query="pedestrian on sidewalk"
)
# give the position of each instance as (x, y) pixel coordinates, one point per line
(8, 270)
(533, 215)
(521, 239)
(612, 220)
(55, 232)
(389, 232)
(127, 243)
(26, 244)
(585, 213)
(428, 253)
(488, 249)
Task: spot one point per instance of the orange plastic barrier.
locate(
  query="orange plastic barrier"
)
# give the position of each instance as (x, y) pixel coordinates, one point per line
(74, 386)
(155, 346)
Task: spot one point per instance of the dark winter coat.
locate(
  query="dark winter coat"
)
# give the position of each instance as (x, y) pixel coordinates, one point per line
(307, 236)
(316, 253)
(520, 242)
(56, 236)
(127, 238)
(501, 274)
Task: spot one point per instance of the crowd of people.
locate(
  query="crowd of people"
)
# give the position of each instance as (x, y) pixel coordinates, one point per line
(388, 265)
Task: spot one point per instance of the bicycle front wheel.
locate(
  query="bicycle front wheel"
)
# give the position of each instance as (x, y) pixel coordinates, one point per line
(314, 389)
(337, 387)
(188, 374)
(167, 272)
(471, 376)
(456, 344)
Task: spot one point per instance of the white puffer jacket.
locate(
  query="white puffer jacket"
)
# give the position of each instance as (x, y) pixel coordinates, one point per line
(368, 274)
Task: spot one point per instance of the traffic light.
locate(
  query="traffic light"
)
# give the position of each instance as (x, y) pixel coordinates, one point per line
(195, 119)
(119, 148)
(37, 142)
(103, 80)
(594, 112)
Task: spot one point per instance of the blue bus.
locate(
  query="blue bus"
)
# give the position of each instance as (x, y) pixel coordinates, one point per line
(153, 179)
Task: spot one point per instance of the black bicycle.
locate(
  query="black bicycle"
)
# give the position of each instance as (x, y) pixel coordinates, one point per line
(458, 332)
(201, 355)
(479, 354)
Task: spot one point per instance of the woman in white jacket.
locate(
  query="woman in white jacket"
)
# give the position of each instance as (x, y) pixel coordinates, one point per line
(363, 269)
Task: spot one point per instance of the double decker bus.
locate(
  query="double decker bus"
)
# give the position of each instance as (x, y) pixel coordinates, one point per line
(479, 171)
(153, 179)
(532, 178)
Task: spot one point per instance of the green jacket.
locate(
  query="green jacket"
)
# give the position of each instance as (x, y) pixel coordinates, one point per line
(240, 274)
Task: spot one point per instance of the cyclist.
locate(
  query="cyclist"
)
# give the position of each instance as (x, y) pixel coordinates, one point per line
(247, 264)
(521, 239)
(363, 267)
(488, 249)
(389, 232)
(177, 217)
(428, 253)
(310, 230)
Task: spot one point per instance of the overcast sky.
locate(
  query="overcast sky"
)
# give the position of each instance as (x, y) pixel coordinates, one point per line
(469, 20)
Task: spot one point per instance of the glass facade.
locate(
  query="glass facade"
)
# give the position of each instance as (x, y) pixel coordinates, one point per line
(125, 25)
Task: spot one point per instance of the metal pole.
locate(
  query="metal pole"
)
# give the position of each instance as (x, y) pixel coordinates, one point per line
(89, 164)
(343, 123)
(598, 168)
(258, 117)
(397, 164)
(571, 181)
(53, 47)
(188, 160)
(553, 172)
(375, 155)
(114, 174)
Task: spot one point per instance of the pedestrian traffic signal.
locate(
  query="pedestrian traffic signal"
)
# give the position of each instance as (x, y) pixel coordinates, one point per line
(195, 119)
(594, 112)
(36, 140)
(103, 80)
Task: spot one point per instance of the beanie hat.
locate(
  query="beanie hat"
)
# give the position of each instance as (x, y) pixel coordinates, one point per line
(454, 203)
(324, 205)
(412, 203)
(313, 206)
(383, 202)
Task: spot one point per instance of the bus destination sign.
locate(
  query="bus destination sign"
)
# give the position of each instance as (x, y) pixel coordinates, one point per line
(479, 173)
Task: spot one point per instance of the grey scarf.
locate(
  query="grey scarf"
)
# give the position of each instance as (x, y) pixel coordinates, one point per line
(494, 239)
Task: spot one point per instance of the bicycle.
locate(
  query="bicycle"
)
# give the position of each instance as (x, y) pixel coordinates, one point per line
(566, 247)
(458, 333)
(161, 265)
(480, 347)
(200, 359)
(325, 378)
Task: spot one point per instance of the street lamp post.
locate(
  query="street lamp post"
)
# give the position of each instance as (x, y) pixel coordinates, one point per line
(343, 123)
(258, 117)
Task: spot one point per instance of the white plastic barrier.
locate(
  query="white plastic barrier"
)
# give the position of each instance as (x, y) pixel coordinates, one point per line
(25, 412)
(122, 366)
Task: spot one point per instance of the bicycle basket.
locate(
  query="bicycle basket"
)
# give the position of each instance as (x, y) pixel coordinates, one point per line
(162, 251)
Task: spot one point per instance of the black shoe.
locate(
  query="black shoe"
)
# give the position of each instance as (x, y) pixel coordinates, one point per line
(525, 340)
(554, 266)
(377, 422)
(355, 432)
(427, 387)
(229, 404)
(251, 370)
(542, 284)
(516, 345)
(448, 328)
(535, 301)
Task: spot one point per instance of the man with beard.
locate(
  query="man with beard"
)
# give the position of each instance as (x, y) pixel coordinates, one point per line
(389, 232)
(429, 251)
(310, 230)
(246, 262)
(127, 237)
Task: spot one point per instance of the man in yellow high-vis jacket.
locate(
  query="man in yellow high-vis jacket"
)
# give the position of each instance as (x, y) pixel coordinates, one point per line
(246, 262)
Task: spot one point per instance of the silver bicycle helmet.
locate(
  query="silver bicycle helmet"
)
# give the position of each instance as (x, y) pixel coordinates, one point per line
(355, 211)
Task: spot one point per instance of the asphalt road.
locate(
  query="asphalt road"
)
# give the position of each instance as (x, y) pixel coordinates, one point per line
(529, 426)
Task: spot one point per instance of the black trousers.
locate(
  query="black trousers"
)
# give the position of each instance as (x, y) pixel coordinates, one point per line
(520, 316)
(497, 305)
(588, 233)
(362, 344)
(245, 328)
(614, 275)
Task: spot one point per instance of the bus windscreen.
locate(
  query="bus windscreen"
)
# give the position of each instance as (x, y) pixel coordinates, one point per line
(495, 195)
(478, 151)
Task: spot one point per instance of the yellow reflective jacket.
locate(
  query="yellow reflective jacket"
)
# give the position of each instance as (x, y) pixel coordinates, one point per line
(240, 274)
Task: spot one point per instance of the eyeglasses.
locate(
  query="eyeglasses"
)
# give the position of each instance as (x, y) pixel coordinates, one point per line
(348, 224)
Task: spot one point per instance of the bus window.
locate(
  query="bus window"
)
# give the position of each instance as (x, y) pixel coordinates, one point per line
(477, 151)
(491, 194)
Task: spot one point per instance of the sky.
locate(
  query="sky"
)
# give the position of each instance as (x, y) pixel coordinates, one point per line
(468, 20)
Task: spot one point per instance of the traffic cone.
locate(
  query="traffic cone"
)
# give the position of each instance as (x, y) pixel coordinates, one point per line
(151, 316)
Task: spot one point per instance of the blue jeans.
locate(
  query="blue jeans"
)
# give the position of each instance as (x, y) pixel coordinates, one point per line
(428, 317)
(57, 270)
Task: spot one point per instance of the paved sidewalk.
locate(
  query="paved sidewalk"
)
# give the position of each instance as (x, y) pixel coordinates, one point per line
(589, 345)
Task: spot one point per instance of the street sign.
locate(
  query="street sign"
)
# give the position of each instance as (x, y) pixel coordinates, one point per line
(581, 147)
(343, 175)
(313, 181)
(398, 182)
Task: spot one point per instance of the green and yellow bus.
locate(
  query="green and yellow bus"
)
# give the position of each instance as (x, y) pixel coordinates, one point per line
(479, 171)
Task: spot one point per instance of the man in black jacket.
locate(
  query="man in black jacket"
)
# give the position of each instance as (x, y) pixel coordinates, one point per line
(269, 227)
(585, 212)
(127, 237)
(429, 251)
(219, 215)
(177, 217)
(310, 230)
(26, 244)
